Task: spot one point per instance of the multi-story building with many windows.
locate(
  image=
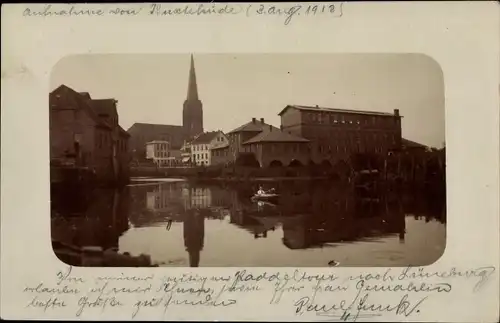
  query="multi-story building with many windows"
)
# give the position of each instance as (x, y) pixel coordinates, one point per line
(335, 134)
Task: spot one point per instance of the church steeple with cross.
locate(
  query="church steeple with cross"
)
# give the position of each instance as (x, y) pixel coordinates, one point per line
(192, 113)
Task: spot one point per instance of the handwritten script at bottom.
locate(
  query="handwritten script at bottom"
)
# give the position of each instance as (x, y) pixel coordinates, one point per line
(331, 294)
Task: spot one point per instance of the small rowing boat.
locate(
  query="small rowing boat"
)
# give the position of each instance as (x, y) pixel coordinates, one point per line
(262, 195)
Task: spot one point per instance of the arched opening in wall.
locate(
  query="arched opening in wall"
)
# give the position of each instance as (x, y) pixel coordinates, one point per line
(295, 163)
(275, 164)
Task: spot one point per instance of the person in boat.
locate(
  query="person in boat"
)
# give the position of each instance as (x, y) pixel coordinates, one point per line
(261, 191)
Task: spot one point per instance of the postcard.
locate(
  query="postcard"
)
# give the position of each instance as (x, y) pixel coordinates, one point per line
(251, 161)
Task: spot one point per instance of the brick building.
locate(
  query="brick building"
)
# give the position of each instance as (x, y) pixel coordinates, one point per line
(240, 135)
(85, 132)
(273, 147)
(335, 134)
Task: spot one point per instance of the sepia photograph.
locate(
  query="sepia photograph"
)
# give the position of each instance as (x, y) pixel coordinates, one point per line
(247, 160)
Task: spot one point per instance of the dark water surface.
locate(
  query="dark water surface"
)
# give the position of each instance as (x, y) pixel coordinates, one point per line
(179, 223)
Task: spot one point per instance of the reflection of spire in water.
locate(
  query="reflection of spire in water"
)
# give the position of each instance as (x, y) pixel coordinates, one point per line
(194, 258)
(194, 235)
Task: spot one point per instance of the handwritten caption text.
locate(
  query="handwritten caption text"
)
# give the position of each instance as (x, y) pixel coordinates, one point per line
(345, 298)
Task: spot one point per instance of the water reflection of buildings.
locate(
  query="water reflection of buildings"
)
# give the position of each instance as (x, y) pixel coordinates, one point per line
(182, 197)
(318, 216)
(348, 220)
(310, 215)
(180, 202)
(94, 224)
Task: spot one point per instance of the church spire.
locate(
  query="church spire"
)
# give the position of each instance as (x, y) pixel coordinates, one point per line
(192, 94)
(192, 111)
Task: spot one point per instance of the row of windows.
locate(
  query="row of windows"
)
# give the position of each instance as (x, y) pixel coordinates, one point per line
(313, 134)
(327, 118)
(368, 140)
(160, 146)
(322, 148)
(351, 148)
(161, 154)
(200, 147)
(200, 156)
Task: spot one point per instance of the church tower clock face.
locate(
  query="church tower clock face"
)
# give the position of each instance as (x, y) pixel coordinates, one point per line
(192, 114)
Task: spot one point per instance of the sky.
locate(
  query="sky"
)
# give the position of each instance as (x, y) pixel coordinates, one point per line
(234, 88)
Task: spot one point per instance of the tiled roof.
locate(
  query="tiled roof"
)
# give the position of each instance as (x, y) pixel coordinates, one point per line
(152, 131)
(205, 137)
(253, 126)
(155, 127)
(221, 147)
(157, 142)
(275, 136)
(411, 144)
(86, 95)
(104, 107)
(93, 107)
(82, 102)
(317, 108)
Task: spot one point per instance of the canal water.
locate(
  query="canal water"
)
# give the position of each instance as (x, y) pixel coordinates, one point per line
(310, 224)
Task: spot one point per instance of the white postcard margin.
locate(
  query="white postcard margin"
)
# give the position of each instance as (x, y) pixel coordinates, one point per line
(462, 37)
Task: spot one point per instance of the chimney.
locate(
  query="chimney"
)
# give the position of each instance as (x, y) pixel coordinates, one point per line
(317, 106)
(253, 120)
(262, 120)
(396, 112)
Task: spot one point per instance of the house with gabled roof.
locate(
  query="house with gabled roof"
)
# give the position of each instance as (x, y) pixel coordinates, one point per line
(85, 132)
(275, 147)
(202, 146)
(243, 133)
(270, 145)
